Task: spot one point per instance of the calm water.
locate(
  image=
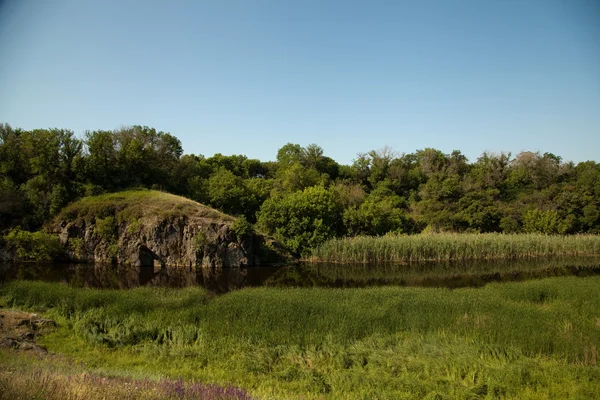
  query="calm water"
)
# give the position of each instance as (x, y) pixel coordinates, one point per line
(451, 275)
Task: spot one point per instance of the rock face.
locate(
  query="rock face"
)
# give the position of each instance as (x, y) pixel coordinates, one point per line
(188, 241)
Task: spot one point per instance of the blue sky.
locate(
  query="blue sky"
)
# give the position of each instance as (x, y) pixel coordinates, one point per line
(248, 76)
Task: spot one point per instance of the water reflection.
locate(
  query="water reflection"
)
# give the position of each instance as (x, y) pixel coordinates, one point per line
(451, 275)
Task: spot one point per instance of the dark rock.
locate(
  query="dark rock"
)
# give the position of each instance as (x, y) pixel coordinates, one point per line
(188, 241)
(27, 335)
(9, 343)
(29, 346)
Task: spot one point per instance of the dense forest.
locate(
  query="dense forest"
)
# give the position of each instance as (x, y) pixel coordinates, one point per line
(304, 197)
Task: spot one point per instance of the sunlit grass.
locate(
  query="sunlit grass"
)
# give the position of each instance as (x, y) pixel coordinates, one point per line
(449, 246)
(535, 339)
(26, 377)
(131, 205)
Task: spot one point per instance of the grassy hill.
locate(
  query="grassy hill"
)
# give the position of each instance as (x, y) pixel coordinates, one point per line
(131, 205)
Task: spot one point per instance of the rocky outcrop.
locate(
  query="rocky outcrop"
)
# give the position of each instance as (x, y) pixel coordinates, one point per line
(149, 228)
(188, 241)
(18, 330)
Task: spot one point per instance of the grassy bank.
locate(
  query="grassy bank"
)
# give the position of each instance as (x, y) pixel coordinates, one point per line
(536, 339)
(132, 205)
(447, 246)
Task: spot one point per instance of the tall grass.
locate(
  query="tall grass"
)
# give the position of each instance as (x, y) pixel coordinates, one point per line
(529, 315)
(449, 246)
(25, 378)
(535, 339)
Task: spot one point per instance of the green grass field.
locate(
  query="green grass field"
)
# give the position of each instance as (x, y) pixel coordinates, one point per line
(451, 246)
(535, 339)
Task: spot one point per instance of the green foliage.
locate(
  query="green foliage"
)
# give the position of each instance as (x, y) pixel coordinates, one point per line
(201, 240)
(35, 191)
(242, 228)
(591, 216)
(135, 226)
(380, 213)
(131, 156)
(58, 199)
(448, 246)
(112, 250)
(538, 221)
(303, 219)
(509, 225)
(106, 228)
(228, 193)
(295, 177)
(77, 246)
(12, 208)
(270, 252)
(44, 170)
(33, 246)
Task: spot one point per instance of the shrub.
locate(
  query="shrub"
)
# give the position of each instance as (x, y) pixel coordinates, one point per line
(538, 221)
(242, 228)
(77, 246)
(302, 220)
(33, 246)
(201, 240)
(106, 228)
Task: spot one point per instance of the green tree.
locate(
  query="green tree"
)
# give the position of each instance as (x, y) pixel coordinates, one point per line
(102, 159)
(228, 193)
(303, 219)
(381, 212)
(295, 177)
(133, 156)
(541, 221)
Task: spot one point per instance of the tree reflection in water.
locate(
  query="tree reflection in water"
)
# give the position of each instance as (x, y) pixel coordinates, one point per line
(222, 280)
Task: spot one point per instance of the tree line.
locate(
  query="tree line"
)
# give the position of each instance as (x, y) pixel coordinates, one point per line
(304, 197)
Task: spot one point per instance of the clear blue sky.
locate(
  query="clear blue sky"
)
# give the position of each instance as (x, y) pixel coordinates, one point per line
(247, 77)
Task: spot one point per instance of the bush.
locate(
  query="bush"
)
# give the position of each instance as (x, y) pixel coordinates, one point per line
(106, 228)
(302, 220)
(538, 221)
(33, 246)
(77, 246)
(378, 215)
(242, 228)
(201, 240)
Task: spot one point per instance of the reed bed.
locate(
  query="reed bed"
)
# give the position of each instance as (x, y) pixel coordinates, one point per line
(516, 313)
(534, 339)
(453, 247)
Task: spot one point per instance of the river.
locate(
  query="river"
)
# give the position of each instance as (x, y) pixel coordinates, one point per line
(432, 274)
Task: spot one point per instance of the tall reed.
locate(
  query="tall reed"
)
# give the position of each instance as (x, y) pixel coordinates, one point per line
(451, 246)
